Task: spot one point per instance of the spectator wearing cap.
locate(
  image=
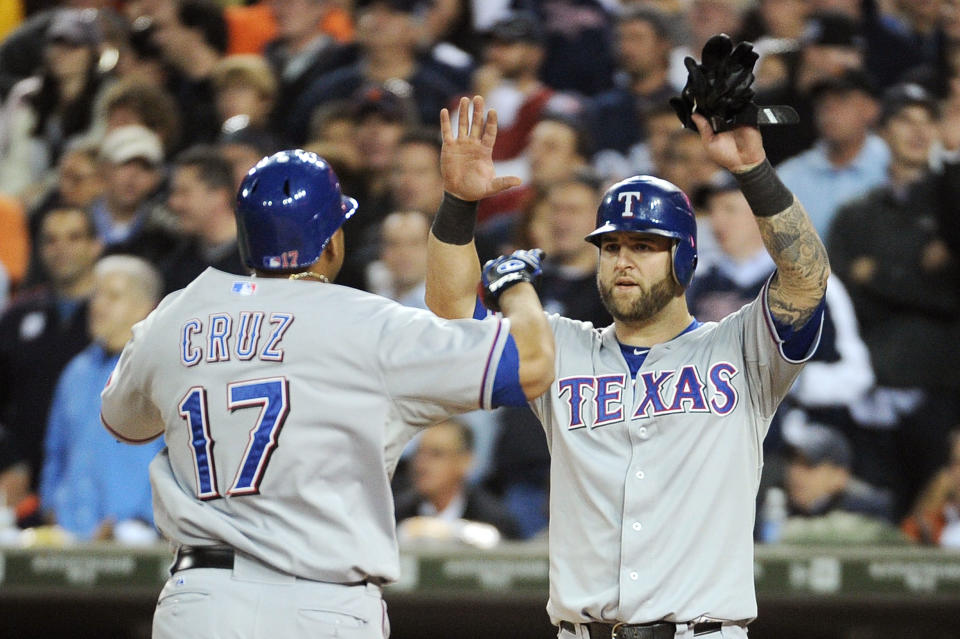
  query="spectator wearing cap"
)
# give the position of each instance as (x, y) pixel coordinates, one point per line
(127, 216)
(832, 43)
(302, 51)
(579, 44)
(509, 80)
(847, 159)
(381, 118)
(889, 249)
(618, 116)
(839, 374)
(819, 480)
(387, 38)
(44, 110)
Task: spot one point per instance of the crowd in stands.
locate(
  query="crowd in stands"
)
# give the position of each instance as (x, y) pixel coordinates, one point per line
(127, 125)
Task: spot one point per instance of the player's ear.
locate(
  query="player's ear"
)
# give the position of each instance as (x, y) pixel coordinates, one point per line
(334, 253)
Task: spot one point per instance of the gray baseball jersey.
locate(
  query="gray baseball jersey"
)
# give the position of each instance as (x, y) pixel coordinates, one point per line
(284, 406)
(653, 479)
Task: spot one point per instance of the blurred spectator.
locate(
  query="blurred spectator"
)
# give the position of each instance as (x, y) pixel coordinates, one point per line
(579, 43)
(827, 504)
(776, 29)
(381, 118)
(133, 101)
(243, 147)
(202, 196)
(401, 271)
(387, 37)
(45, 110)
(704, 18)
(559, 147)
(244, 89)
(831, 44)
(440, 467)
(302, 52)
(888, 249)
(39, 333)
(619, 115)
(193, 40)
(76, 184)
(568, 286)
(847, 160)
(509, 82)
(685, 163)
(643, 158)
(127, 218)
(839, 374)
(415, 182)
(91, 485)
(935, 519)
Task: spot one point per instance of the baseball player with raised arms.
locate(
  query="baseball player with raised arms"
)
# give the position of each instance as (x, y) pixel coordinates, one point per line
(285, 401)
(655, 424)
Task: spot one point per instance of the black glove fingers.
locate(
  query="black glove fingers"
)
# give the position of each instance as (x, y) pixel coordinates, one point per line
(716, 49)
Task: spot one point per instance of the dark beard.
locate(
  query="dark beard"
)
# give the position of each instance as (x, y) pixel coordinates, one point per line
(644, 308)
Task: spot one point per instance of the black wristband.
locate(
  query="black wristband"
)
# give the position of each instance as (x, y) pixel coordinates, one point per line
(764, 191)
(456, 220)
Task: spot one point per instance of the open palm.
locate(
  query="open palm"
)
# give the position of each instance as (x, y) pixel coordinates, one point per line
(466, 157)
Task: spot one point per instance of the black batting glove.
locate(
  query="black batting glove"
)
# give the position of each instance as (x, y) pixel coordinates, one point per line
(503, 272)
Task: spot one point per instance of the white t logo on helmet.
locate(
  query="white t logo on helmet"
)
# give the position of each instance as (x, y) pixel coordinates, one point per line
(628, 198)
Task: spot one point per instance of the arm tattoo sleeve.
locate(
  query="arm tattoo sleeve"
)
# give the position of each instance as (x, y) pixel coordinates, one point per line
(802, 264)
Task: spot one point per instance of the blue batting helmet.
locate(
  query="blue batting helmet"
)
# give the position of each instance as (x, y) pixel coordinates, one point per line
(645, 204)
(288, 207)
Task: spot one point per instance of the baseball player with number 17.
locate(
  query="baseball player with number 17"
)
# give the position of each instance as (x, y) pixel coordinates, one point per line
(655, 423)
(285, 400)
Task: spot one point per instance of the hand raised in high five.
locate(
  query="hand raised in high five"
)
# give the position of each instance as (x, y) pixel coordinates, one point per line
(466, 157)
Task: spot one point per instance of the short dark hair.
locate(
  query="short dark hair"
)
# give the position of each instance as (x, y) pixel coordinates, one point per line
(208, 17)
(212, 167)
(583, 140)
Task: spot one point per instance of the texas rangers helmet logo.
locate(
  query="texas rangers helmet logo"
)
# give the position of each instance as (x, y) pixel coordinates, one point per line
(628, 198)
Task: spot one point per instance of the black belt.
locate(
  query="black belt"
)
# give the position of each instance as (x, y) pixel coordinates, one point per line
(202, 557)
(657, 630)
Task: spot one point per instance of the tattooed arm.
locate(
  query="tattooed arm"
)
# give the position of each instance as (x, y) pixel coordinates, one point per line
(788, 234)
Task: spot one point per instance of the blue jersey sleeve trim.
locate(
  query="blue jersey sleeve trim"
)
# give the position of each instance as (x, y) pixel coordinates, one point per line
(796, 346)
(506, 385)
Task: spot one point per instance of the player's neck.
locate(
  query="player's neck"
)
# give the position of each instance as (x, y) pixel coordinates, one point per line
(662, 327)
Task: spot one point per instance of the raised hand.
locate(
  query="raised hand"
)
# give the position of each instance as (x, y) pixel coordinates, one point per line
(737, 150)
(466, 157)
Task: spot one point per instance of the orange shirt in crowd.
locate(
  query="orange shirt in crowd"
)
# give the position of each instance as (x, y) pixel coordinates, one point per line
(251, 27)
(15, 239)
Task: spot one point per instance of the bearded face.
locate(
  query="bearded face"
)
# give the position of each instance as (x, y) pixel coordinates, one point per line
(635, 277)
